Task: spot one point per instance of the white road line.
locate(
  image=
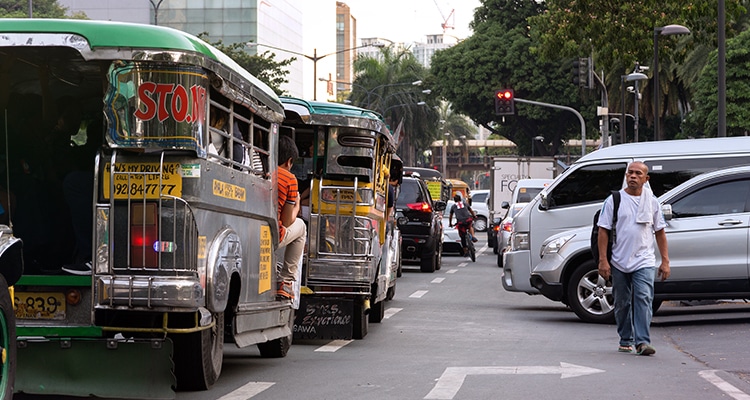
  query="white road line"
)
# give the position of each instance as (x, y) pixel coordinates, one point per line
(418, 294)
(333, 346)
(247, 391)
(724, 386)
(463, 264)
(438, 280)
(391, 312)
(451, 271)
(453, 378)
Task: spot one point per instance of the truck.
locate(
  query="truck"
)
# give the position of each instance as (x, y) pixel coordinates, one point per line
(505, 173)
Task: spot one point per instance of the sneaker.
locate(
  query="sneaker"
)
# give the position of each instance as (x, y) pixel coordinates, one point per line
(474, 239)
(285, 291)
(78, 269)
(645, 349)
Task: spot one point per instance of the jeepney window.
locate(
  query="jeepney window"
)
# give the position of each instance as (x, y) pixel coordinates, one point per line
(237, 137)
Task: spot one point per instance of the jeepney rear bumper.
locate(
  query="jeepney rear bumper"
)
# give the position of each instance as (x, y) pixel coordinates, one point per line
(149, 291)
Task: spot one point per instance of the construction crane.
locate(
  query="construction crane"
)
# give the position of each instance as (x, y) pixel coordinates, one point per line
(451, 17)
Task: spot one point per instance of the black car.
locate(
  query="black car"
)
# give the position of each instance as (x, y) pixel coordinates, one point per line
(419, 219)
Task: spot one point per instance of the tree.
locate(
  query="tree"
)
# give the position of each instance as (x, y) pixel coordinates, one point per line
(621, 33)
(40, 9)
(385, 85)
(497, 56)
(262, 66)
(703, 120)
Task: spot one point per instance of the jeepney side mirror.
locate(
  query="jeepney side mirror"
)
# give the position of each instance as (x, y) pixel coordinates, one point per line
(666, 210)
(439, 205)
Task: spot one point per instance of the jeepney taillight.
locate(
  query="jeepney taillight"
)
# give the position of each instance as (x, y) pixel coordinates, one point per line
(144, 229)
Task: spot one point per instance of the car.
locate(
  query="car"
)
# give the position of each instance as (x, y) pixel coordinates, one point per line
(708, 223)
(419, 220)
(525, 190)
(481, 209)
(492, 230)
(451, 238)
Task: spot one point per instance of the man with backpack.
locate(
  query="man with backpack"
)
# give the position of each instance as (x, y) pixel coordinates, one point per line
(638, 221)
(464, 218)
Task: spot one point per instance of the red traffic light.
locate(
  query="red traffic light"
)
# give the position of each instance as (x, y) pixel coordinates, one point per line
(504, 94)
(504, 102)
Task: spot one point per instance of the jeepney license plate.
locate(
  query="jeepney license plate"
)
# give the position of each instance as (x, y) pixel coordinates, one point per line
(40, 305)
(131, 182)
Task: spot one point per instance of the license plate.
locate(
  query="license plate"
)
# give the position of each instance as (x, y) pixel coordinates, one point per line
(39, 305)
(133, 182)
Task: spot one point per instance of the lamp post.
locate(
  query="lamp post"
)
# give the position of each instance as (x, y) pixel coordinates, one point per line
(662, 31)
(372, 91)
(315, 58)
(446, 135)
(420, 103)
(534, 139)
(635, 76)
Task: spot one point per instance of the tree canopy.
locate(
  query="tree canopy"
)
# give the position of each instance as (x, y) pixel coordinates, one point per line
(40, 9)
(263, 66)
(497, 56)
(703, 120)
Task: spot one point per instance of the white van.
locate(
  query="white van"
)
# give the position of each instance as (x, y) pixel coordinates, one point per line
(573, 198)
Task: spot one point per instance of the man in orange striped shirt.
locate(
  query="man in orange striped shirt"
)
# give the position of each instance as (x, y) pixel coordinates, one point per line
(292, 230)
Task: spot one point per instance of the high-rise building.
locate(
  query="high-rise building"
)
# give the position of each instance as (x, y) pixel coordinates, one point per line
(424, 51)
(346, 38)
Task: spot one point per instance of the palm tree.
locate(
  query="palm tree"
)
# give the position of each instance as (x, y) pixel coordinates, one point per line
(392, 86)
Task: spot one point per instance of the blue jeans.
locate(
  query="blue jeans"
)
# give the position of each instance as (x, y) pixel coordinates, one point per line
(634, 295)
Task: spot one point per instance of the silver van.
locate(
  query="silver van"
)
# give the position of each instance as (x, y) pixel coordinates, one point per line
(708, 224)
(573, 198)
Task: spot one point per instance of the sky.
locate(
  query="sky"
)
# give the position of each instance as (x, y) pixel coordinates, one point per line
(410, 20)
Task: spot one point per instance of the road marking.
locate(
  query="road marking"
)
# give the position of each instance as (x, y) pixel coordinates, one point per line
(391, 312)
(247, 391)
(463, 264)
(451, 271)
(333, 346)
(438, 280)
(724, 386)
(418, 294)
(453, 377)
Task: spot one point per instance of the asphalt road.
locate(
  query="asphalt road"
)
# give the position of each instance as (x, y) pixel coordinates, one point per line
(456, 334)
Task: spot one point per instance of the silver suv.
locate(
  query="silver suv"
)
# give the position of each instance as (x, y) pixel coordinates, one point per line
(708, 225)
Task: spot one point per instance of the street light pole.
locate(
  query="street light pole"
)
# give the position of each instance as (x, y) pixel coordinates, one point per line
(315, 58)
(533, 144)
(662, 31)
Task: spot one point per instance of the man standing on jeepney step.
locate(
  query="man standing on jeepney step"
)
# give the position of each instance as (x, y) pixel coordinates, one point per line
(292, 230)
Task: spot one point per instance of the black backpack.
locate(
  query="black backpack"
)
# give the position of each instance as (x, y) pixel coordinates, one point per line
(613, 232)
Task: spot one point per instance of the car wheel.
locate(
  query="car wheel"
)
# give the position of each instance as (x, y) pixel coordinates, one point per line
(480, 224)
(590, 296)
(500, 258)
(495, 250)
(439, 259)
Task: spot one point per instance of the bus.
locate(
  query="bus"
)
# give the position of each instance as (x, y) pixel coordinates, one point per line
(351, 264)
(140, 160)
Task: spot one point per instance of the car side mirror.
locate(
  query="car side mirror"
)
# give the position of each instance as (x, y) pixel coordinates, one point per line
(505, 205)
(544, 201)
(439, 205)
(666, 210)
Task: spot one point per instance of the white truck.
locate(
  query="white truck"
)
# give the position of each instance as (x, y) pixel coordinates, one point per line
(505, 173)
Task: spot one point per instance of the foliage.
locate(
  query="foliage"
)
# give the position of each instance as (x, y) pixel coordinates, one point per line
(619, 34)
(263, 66)
(703, 121)
(39, 9)
(386, 85)
(498, 56)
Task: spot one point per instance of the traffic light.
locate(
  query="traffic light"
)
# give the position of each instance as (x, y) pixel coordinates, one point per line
(580, 72)
(505, 102)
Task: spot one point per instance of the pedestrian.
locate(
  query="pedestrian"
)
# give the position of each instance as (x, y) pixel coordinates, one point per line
(639, 220)
(292, 230)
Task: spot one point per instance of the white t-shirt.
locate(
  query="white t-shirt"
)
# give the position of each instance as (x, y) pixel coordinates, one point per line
(634, 244)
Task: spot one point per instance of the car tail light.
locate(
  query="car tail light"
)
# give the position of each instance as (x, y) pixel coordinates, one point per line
(144, 229)
(507, 226)
(496, 228)
(423, 206)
